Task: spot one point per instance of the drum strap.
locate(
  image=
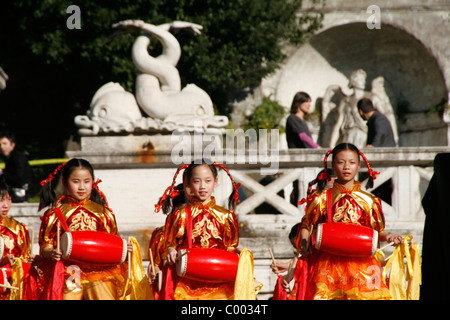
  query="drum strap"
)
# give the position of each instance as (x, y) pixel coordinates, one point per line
(189, 225)
(329, 205)
(63, 221)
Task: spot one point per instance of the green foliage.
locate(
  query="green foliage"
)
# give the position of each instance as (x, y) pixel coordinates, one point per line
(267, 115)
(54, 71)
(440, 107)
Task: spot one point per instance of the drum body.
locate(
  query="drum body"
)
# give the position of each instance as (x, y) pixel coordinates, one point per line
(207, 264)
(93, 247)
(345, 239)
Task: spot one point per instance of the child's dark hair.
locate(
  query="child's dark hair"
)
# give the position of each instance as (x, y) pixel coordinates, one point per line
(179, 198)
(294, 231)
(48, 195)
(4, 188)
(166, 200)
(349, 146)
(321, 180)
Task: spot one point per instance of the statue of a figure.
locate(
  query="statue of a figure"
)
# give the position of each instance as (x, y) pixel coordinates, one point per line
(158, 90)
(340, 112)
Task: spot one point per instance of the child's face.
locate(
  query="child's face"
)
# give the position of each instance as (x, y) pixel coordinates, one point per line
(79, 184)
(5, 203)
(346, 165)
(202, 183)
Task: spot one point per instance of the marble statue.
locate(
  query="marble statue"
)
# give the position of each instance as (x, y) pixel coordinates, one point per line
(340, 119)
(159, 104)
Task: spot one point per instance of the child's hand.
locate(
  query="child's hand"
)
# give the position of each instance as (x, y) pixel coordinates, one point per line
(152, 276)
(10, 259)
(52, 254)
(285, 283)
(31, 258)
(280, 266)
(171, 255)
(129, 247)
(396, 238)
(305, 248)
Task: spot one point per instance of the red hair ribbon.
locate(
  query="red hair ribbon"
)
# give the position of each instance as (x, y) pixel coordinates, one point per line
(102, 195)
(372, 173)
(325, 173)
(235, 186)
(170, 191)
(52, 175)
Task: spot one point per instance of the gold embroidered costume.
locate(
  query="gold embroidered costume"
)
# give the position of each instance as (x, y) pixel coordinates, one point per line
(212, 227)
(84, 280)
(339, 277)
(16, 240)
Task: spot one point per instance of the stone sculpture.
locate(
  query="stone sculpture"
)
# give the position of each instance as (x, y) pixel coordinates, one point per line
(160, 105)
(341, 121)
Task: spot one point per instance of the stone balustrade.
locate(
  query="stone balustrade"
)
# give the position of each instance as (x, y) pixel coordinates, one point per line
(134, 181)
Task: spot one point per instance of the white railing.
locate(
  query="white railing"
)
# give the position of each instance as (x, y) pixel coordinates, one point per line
(409, 169)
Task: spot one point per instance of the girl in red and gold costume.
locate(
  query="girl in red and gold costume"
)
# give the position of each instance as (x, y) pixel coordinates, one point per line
(201, 223)
(14, 250)
(82, 207)
(327, 275)
(157, 244)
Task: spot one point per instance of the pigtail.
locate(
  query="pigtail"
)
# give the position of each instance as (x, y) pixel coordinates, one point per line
(325, 164)
(321, 179)
(372, 174)
(47, 195)
(234, 196)
(166, 201)
(98, 196)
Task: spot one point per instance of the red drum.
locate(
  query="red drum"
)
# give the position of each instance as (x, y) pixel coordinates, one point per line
(345, 239)
(207, 264)
(5, 274)
(93, 247)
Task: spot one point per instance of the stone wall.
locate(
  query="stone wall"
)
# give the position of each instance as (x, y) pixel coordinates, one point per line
(410, 50)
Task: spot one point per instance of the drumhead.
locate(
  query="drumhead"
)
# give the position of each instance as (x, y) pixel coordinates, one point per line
(66, 244)
(374, 242)
(319, 236)
(2, 247)
(181, 264)
(124, 251)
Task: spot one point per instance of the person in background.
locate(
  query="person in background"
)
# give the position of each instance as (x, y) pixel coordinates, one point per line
(17, 171)
(297, 131)
(379, 132)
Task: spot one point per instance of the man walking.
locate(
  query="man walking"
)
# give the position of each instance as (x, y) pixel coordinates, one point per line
(380, 132)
